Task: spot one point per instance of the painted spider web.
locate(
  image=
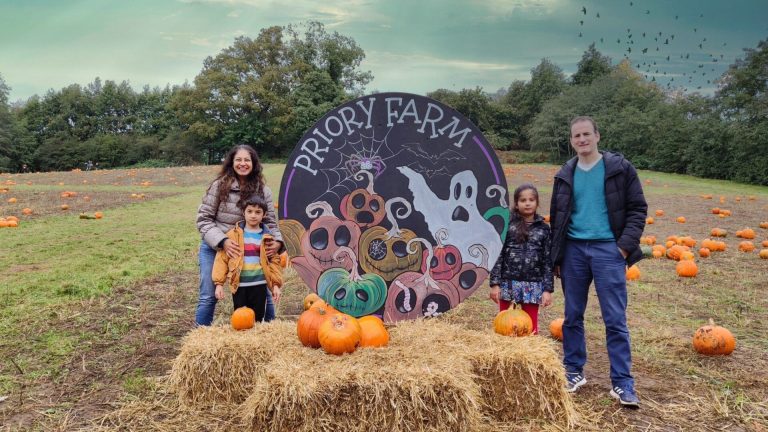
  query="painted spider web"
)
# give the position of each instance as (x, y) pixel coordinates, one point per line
(365, 154)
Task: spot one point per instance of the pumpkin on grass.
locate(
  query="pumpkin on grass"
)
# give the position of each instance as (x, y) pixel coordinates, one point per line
(712, 339)
(764, 244)
(372, 332)
(659, 212)
(763, 253)
(746, 246)
(26, 211)
(718, 232)
(746, 233)
(556, 328)
(680, 219)
(687, 268)
(649, 220)
(764, 225)
(704, 252)
(339, 334)
(633, 273)
(243, 318)
(513, 322)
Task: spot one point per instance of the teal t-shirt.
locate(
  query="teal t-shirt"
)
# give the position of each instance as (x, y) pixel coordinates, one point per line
(589, 218)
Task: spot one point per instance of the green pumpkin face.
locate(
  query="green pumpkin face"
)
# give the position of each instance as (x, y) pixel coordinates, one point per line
(359, 297)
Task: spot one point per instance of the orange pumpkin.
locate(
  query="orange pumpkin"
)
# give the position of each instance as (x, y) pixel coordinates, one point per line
(704, 252)
(746, 246)
(688, 241)
(310, 299)
(680, 219)
(659, 212)
(633, 273)
(763, 253)
(687, 268)
(26, 211)
(764, 244)
(657, 253)
(339, 334)
(676, 252)
(718, 232)
(764, 225)
(98, 215)
(308, 325)
(556, 328)
(746, 233)
(12, 200)
(243, 318)
(715, 210)
(712, 339)
(725, 212)
(687, 255)
(12, 223)
(372, 332)
(649, 220)
(513, 322)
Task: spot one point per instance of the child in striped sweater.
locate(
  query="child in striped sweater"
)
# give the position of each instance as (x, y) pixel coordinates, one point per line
(256, 268)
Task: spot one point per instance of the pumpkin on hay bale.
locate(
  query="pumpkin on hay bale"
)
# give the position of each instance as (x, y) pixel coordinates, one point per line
(431, 376)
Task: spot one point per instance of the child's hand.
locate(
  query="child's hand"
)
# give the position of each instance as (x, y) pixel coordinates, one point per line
(276, 293)
(219, 292)
(546, 299)
(495, 292)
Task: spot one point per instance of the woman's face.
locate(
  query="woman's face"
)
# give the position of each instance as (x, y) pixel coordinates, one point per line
(242, 163)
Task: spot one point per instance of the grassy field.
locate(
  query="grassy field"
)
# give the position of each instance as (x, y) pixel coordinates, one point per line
(92, 311)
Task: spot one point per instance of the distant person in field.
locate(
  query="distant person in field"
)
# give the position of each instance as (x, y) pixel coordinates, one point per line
(24, 168)
(523, 273)
(256, 269)
(597, 216)
(239, 179)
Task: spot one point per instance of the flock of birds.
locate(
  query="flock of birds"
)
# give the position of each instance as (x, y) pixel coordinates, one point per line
(666, 58)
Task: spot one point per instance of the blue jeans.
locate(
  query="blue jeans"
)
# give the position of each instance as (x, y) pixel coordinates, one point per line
(206, 303)
(583, 262)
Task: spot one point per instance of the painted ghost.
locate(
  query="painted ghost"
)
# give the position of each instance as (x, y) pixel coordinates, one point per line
(458, 214)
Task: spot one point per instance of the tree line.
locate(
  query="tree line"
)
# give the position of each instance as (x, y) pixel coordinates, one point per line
(268, 90)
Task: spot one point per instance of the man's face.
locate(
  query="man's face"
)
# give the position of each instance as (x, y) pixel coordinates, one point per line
(584, 139)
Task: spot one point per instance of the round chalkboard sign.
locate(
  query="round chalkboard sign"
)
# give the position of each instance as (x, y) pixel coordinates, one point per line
(393, 204)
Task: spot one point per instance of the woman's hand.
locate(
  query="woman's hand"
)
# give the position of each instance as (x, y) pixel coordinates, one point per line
(495, 293)
(231, 248)
(276, 293)
(546, 299)
(219, 292)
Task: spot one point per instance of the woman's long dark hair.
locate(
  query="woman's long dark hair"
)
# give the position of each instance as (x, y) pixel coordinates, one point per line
(254, 182)
(521, 233)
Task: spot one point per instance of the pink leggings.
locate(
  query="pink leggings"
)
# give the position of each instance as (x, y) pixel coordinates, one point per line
(532, 309)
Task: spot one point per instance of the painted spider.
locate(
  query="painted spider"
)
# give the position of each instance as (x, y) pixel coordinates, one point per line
(357, 163)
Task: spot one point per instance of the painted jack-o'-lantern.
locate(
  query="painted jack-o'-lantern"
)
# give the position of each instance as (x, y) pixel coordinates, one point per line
(501, 211)
(470, 277)
(446, 260)
(412, 294)
(385, 252)
(363, 206)
(321, 241)
(292, 231)
(349, 292)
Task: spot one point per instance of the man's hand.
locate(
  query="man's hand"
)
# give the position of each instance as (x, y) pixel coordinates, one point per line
(495, 292)
(556, 271)
(273, 246)
(623, 253)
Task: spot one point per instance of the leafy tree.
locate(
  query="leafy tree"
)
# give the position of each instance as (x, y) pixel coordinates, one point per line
(6, 128)
(744, 87)
(592, 65)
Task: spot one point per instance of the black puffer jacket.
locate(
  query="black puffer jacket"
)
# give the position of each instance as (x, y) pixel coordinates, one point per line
(528, 261)
(624, 197)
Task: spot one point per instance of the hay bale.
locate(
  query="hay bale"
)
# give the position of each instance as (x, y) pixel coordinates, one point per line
(522, 378)
(433, 376)
(409, 386)
(220, 365)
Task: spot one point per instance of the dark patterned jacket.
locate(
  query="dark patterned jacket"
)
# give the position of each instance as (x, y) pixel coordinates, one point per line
(528, 261)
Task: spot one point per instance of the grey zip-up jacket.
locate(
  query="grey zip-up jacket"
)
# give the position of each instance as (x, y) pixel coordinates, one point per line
(214, 222)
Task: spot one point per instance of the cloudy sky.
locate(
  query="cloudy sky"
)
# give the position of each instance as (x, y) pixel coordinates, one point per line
(410, 45)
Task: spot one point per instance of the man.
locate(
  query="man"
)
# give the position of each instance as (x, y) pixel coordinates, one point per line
(597, 216)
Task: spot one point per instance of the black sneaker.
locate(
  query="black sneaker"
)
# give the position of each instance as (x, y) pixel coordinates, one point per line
(626, 396)
(574, 380)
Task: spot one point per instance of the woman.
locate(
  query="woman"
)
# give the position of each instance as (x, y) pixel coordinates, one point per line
(239, 179)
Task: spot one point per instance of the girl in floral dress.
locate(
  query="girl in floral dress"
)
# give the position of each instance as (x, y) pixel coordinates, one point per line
(523, 272)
